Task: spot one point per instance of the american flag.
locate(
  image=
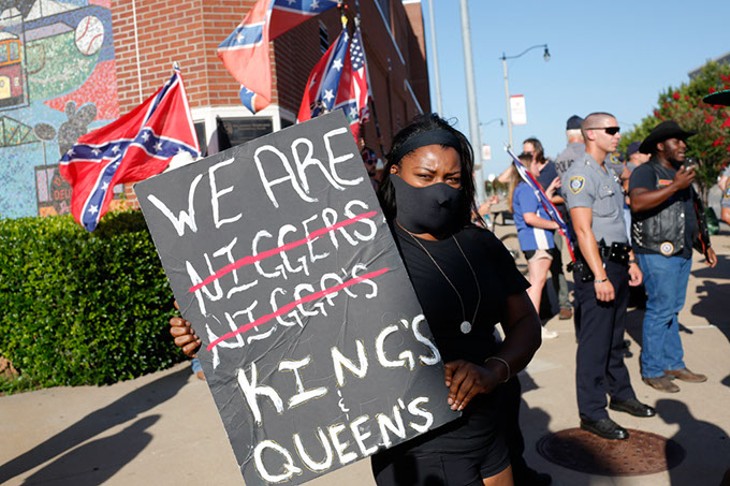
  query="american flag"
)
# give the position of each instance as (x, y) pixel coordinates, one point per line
(544, 200)
(245, 52)
(352, 95)
(339, 81)
(136, 146)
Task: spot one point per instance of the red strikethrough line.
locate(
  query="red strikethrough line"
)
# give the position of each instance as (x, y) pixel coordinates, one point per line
(291, 305)
(248, 260)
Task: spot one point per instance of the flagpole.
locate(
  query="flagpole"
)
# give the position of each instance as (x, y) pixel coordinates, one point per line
(471, 103)
(136, 49)
(434, 55)
(371, 99)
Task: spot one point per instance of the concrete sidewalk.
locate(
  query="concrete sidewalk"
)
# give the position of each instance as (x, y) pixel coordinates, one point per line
(164, 428)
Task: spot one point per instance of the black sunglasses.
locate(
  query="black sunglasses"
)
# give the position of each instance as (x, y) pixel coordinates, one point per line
(609, 130)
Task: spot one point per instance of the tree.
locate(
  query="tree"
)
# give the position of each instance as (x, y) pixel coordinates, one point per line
(711, 146)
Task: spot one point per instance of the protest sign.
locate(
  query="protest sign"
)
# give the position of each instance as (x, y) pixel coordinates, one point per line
(314, 346)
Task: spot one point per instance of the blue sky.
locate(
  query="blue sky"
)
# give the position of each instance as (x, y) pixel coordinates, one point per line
(606, 56)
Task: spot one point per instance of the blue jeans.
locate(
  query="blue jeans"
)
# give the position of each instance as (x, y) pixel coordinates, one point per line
(195, 365)
(665, 280)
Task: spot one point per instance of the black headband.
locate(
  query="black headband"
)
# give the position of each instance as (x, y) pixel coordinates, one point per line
(438, 136)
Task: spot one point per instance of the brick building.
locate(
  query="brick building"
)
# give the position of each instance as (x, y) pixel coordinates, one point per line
(149, 35)
(73, 66)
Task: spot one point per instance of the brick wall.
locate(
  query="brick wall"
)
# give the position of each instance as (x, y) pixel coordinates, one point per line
(168, 31)
(189, 31)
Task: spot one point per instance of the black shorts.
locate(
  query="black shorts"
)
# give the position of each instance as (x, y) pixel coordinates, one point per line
(391, 468)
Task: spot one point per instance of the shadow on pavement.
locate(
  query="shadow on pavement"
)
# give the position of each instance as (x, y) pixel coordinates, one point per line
(721, 270)
(697, 437)
(122, 410)
(533, 423)
(96, 462)
(712, 304)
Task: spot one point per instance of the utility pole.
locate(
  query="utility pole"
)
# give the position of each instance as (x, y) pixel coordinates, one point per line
(471, 102)
(436, 78)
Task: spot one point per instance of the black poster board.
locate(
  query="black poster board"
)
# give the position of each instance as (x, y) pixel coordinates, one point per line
(314, 345)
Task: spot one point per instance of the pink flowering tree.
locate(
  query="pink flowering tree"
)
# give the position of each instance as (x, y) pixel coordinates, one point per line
(711, 146)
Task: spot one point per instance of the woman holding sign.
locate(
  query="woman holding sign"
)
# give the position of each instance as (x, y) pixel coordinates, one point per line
(466, 282)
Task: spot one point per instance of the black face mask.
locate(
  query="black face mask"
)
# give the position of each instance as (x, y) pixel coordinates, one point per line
(434, 209)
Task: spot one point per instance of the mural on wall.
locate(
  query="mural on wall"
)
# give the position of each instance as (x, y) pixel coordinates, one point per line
(57, 82)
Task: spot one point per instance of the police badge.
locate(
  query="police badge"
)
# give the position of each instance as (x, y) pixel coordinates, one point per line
(576, 184)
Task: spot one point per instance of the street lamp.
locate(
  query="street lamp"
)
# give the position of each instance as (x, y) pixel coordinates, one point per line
(481, 135)
(545, 55)
(483, 154)
(501, 122)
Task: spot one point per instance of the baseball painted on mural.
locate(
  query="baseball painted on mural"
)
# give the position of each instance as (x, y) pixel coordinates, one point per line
(57, 82)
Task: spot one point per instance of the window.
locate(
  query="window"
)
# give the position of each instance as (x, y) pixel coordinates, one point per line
(324, 38)
(241, 130)
(14, 51)
(202, 140)
(285, 123)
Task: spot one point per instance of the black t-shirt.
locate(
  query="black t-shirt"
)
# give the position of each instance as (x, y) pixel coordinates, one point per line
(547, 174)
(653, 176)
(498, 277)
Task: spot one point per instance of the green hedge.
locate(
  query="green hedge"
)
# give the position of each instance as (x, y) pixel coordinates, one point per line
(81, 308)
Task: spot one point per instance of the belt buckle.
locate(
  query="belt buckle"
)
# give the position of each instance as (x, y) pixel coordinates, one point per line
(666, 248)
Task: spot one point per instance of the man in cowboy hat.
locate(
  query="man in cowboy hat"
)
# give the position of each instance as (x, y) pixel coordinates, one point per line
(722, 98)
(666, 224)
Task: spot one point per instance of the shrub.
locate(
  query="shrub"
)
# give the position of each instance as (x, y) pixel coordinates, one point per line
(82, 308)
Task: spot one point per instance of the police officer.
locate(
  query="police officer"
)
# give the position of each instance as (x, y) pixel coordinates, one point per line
(603, 272)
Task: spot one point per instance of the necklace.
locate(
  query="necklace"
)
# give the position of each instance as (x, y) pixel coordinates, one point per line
(465, 326)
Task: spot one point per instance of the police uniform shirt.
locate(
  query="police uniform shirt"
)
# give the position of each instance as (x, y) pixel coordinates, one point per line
(591, 186)
(615, 165)
(572, 152)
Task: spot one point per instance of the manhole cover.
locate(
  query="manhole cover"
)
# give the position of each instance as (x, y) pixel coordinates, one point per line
(641, 453)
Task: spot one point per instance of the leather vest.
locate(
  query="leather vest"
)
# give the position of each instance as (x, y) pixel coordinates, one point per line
(661, 229)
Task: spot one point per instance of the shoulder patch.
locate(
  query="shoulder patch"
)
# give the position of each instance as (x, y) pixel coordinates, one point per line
(576, 184)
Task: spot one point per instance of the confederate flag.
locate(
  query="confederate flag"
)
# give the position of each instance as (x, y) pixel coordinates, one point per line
(138, 145)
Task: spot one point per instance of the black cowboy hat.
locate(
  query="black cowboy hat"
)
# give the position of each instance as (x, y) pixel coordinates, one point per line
(719, 98)
(664, 131)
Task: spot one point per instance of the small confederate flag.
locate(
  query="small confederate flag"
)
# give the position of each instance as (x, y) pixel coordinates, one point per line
(544, 200)
(245, 53)
(136, 146)
(288, 14)
(339, 81)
